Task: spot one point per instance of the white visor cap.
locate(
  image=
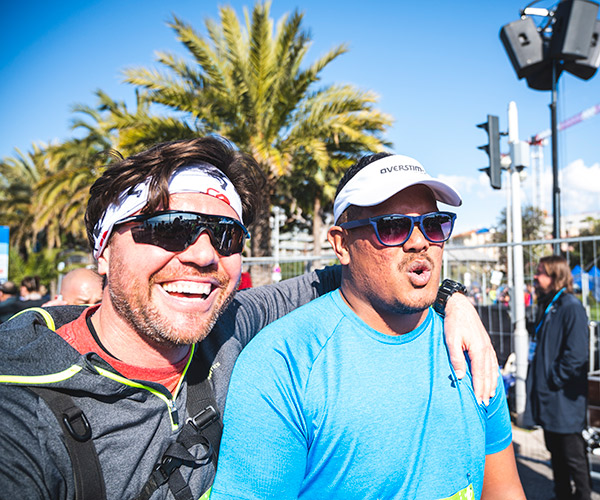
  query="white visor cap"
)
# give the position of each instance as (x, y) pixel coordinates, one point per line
(387, 176)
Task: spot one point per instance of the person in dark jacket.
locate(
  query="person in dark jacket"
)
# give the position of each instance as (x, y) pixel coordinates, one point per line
(9, 300)
(557, 378)
(31, 291)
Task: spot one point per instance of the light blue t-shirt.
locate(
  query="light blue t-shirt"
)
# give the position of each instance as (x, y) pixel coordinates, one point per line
(320, 405)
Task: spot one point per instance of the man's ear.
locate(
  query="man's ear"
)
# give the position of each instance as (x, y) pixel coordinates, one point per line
(337, 238)
(103, 261)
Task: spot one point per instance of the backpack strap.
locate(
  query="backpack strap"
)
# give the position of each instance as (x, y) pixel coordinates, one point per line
(89, 481)
(202, 404)
(48, 319)
(203, 428)
(87, 473)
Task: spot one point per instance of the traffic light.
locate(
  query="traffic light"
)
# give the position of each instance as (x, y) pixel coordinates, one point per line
(493, 151)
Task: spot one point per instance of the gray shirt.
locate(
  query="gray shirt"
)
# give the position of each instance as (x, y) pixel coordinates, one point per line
(131, 425)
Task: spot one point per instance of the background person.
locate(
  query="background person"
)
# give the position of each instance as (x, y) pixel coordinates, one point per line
(353, 395)
(9, 300)
(557, 376)
(32, 294)
(78, 287)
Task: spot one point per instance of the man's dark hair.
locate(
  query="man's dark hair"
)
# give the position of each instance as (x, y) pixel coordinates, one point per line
(9, 288)
(159, 163)
(31, 283)
(351, 172)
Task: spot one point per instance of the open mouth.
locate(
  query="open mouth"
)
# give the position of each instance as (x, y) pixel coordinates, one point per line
(188, 289)
(419, 268)
(420, 273)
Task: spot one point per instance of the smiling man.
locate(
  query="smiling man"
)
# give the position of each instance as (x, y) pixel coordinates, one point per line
(124, 399)
(353, 396)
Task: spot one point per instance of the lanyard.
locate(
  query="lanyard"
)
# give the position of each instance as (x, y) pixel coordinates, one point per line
(539, 325)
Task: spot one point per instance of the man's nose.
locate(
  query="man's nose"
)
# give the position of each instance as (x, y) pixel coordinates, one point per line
(417, 241)
(201, 252)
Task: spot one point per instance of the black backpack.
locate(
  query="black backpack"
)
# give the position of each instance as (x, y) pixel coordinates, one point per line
(204, 428)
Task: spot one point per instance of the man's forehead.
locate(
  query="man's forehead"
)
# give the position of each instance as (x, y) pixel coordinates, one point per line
(414, 199)
(201, 203)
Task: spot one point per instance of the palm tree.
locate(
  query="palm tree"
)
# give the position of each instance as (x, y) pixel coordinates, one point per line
(248, 84)
(19, 176)
(61, 196)
(312, 184)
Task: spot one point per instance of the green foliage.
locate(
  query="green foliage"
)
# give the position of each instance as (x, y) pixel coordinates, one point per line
(246, 80)
(532, 224)
(249, 82)
(43, 193)
(19, 176)
(42, 264)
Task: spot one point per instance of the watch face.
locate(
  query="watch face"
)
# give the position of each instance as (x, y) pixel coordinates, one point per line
(447, 288)
(451, 286)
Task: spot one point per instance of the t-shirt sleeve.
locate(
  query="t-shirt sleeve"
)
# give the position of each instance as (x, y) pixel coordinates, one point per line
(264, 447)
(498, 429)
(255, 308)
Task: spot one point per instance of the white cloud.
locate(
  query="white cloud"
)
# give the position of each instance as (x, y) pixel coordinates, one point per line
(580, 188)
(472, 187)
(481, 204)
(579, 185)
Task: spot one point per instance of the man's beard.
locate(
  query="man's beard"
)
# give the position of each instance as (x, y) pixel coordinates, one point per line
(149, 323)
(401, 307)
(406, 309)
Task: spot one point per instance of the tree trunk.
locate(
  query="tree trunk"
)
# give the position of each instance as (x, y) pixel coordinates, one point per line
(317, 227)
(261, 243)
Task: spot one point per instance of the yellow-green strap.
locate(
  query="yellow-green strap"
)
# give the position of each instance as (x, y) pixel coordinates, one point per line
(52, 378)
(466, 494)
(45, 314)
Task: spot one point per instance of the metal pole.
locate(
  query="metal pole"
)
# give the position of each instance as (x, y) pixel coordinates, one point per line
(521, 337)
(555, 187)
(509, 230)
(276, 271)
(593, 341)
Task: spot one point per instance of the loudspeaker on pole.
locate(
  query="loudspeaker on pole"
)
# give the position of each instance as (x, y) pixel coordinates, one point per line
(523, 44)
(574, 23)
(541, 78)
(586, 68)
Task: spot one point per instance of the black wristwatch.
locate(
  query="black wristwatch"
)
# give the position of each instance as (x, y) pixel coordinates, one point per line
(447, 288)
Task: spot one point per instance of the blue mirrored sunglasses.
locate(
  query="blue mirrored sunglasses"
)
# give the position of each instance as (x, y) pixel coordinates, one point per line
(394, 230)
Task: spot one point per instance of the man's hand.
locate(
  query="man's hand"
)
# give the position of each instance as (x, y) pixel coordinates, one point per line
(465, 332)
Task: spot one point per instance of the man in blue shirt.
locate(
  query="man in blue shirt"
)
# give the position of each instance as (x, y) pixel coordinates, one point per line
(353, 396)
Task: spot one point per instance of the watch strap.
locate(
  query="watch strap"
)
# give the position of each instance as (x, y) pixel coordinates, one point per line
(446, 289)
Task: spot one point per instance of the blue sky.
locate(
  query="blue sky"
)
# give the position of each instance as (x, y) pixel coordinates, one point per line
(439, 68)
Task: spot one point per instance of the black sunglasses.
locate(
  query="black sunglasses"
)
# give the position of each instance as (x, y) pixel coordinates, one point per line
(175, 230)
(395, 229)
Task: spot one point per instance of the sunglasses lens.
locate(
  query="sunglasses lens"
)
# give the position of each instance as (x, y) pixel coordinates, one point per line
(176, 232)
(226, 236)
(171, 233)
(437, 227)
(393, 230)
